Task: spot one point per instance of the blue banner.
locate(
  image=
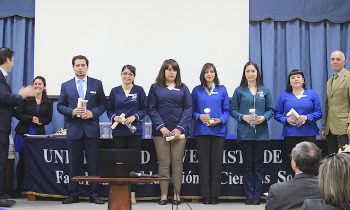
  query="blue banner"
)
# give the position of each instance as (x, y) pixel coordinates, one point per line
(47, 169)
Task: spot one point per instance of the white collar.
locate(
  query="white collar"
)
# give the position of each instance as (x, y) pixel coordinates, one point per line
(4, 72)
(77, 79)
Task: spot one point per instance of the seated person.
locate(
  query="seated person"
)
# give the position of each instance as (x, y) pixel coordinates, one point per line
(306, 157)
(334, 183)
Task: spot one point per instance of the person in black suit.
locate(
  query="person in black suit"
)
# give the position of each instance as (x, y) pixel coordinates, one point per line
(334, 183)
(306, 157)
(33, 114)
(7, 103)
(83, 130)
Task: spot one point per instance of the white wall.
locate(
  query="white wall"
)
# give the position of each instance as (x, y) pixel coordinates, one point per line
(112, 33)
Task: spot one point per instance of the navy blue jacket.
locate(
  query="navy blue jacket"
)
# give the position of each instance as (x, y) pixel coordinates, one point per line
(133, 104)
(7, 103)
(170, 108)
(67, 101)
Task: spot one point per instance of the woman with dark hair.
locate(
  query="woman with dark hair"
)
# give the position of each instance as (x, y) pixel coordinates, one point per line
(33, 114)
(210, 112)
(306, 105)
(128, 99)
(170, 109)
(334, 182)
(252, 107)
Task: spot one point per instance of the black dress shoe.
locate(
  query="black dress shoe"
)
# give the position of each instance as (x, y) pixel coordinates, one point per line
(71, 199)
(15, 194)
(163, 202)
(205, 201)
(96, 200)
(214, 201)
(256, 201)
(248, 202)
(6, 202)
(176, 202)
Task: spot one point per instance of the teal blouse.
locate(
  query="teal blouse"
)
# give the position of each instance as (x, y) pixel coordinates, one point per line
(242, 101)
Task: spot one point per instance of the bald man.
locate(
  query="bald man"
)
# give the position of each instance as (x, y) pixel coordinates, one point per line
(336, 129)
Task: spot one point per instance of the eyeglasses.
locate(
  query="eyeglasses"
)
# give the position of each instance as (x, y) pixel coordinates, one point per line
(127, 74)
(334, 153)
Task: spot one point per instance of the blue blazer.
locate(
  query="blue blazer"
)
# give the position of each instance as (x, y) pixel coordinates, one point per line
(7, 103)
(67, 101)
(219, 105)
(309, 105)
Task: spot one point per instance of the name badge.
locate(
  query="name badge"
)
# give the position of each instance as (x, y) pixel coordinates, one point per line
(302, 96)
(133, 96)
(214, 93)
(92, 92)
(260, 94)
(173, 88)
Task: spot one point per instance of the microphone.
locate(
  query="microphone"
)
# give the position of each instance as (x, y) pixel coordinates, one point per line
(139, 174)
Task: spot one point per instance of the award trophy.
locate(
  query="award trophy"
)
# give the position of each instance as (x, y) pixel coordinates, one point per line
(82, 104)
(253, 116)
(207, 111)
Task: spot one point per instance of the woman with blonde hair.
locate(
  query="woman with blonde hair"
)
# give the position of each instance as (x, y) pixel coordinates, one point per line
(334, 177)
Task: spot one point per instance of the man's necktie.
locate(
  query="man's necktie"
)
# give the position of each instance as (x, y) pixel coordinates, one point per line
(334, 82)
(80, 89)
(7, 81)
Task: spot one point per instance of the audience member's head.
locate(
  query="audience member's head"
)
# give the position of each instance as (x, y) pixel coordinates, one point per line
(334, 180)
(306, 157)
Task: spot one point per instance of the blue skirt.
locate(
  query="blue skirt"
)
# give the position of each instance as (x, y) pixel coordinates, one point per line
(19, 139)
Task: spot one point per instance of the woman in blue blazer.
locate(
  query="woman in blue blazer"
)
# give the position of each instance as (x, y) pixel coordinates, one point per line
(306, 103)
(252, 107)
(129, 99)
(210, 130)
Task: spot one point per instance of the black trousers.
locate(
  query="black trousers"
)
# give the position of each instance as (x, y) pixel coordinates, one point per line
(75, 150)
(210, 149)
(127, 142)
(336, 141)
(253, 167)
(4, 151)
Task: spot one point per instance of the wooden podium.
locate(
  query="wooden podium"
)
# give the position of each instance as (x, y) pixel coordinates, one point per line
(119, 189)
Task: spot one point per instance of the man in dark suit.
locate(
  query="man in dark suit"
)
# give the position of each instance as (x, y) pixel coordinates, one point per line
(82, 125)
(291, 194)
(8, 102)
